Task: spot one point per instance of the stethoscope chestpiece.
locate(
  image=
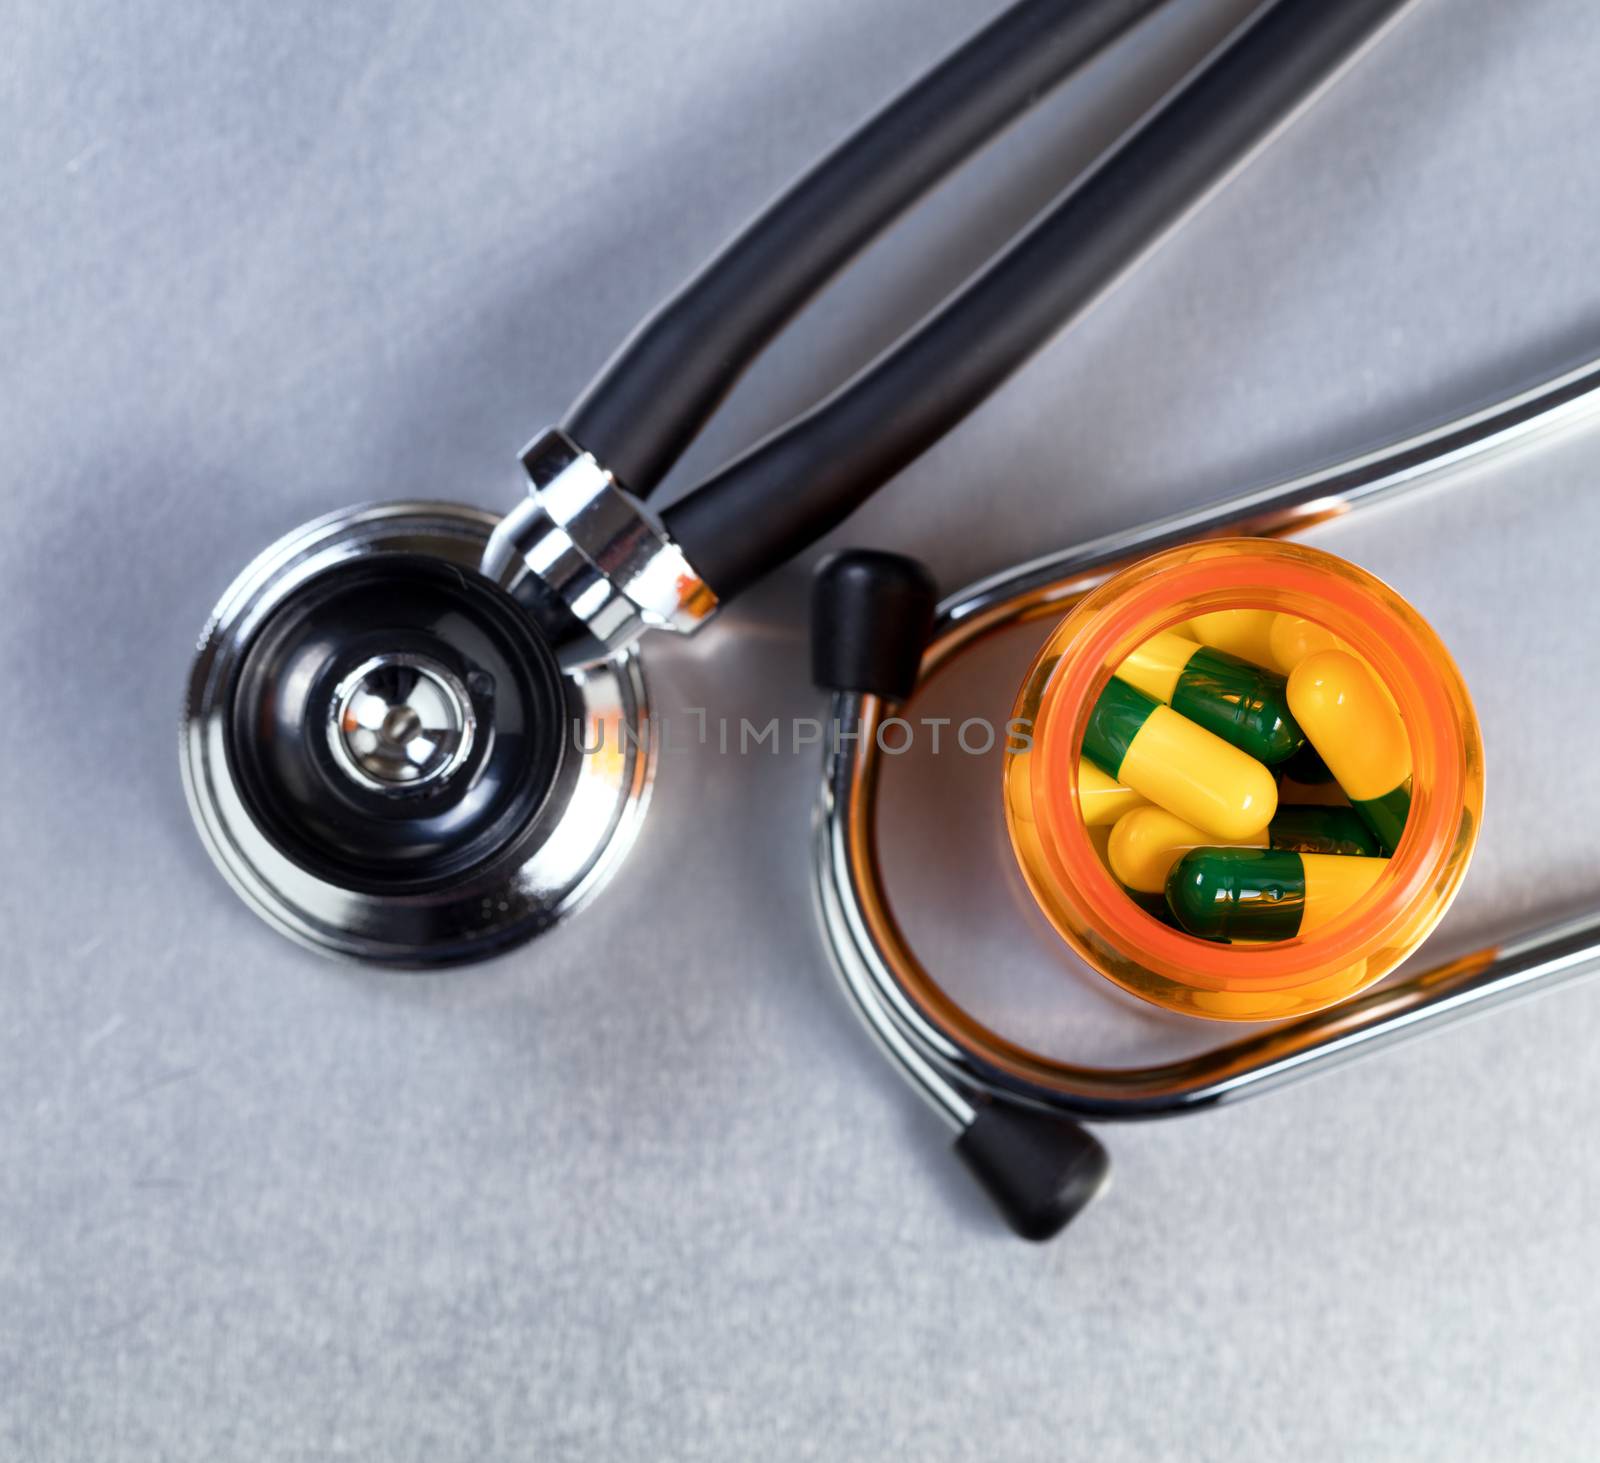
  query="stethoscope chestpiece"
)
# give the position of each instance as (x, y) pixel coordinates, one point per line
(384, 754)
(395, 723)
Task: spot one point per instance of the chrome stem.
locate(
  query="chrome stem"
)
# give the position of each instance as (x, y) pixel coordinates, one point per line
(1289, 507)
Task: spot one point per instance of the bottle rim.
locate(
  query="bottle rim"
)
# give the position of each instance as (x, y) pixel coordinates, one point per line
(1091, 911)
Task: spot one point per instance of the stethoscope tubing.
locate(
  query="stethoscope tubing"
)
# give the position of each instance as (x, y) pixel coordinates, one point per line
(806, 478)
(667, 380)
(802, 480)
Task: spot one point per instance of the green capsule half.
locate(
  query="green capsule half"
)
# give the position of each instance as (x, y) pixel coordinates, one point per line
(1386, 815)
(1316, 829)
(1119, 714)
(1239, 702)
(1264, 894)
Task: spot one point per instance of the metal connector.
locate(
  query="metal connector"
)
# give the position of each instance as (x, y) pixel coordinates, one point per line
(597, 547)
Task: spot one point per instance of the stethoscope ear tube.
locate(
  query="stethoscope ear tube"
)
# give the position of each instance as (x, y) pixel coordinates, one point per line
(806, 478)
(662, 386)
(871, 612)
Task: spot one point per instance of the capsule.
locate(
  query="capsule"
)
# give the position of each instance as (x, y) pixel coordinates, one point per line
(1348, 717)
(1262, 894)
(1177, 765)
(1154, 905)
(1147, 842)
(1292, 638)
(1245, 633)
(1239, 702)
(1309, 829)
(1101, 799)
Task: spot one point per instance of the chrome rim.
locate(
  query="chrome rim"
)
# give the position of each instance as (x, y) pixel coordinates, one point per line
(579, 836)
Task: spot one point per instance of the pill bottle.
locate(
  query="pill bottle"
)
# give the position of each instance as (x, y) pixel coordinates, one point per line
(1080, 896)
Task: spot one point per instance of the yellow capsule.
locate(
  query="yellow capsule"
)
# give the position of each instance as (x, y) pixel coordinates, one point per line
(1147, 842)
(1180, 766)
(1238, 701)
(1245, 633)
(1102, 799)
(1292, 638)
(1352, 723)
(1199, 777)
(1349, 717)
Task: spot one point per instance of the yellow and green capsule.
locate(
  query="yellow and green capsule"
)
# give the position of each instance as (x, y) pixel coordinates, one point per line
(1244, 633)
(1313, 829)
(1101, 799)
(1239, 702)
(1147, 842)
(1178, 765)
(1264, 894)
(1292, 638)
(1348, 716)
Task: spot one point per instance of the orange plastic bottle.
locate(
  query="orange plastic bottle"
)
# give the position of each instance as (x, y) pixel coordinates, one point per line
(1090, 910)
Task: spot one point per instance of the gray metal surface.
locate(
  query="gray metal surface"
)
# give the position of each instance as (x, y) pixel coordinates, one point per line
(643, 1189)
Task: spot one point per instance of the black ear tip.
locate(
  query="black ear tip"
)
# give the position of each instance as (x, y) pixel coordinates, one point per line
(877, 569)
(1041, 1171)
(870, 616)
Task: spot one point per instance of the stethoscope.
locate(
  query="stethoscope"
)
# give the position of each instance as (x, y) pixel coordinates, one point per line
(418, 734)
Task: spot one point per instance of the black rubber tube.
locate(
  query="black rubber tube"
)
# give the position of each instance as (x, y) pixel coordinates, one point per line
(656, 393)
(807, 477)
